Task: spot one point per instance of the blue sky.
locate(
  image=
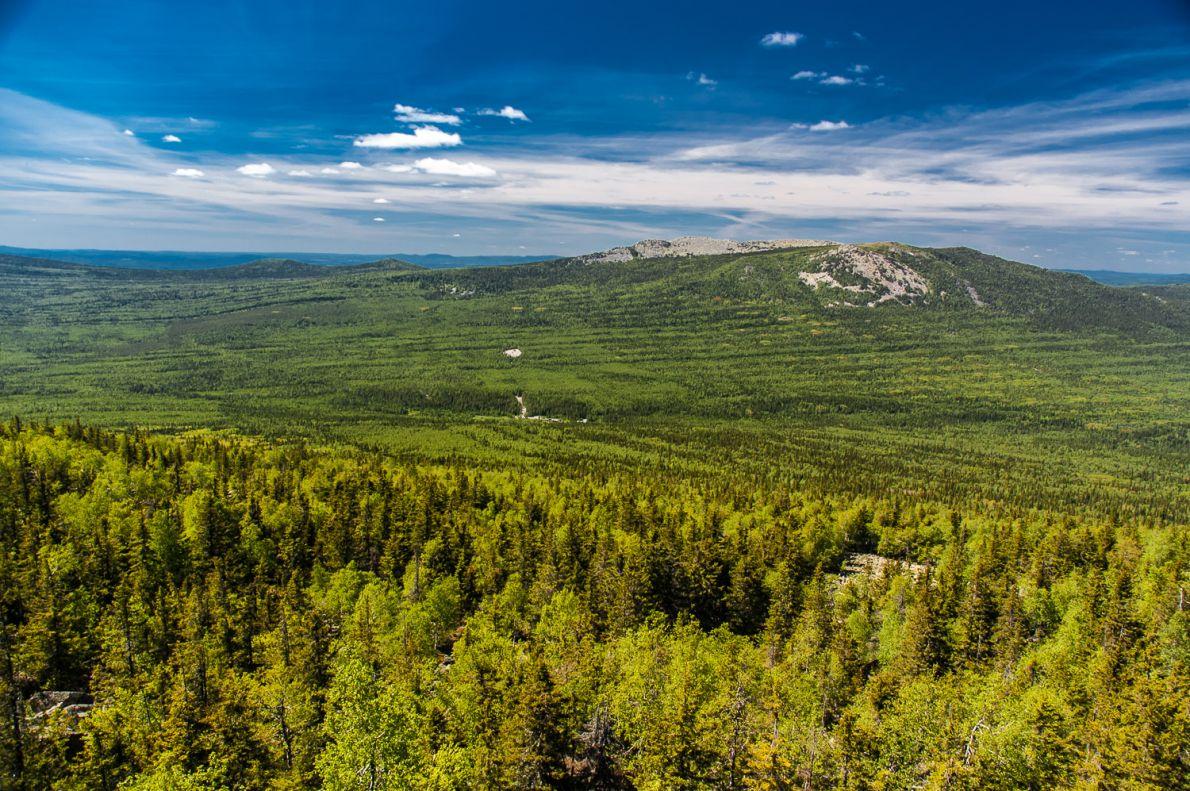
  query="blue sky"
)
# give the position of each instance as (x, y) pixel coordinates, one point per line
(1055, 133)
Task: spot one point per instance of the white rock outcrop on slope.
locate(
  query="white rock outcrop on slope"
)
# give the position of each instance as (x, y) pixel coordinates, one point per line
(878, 275)
(685, 246)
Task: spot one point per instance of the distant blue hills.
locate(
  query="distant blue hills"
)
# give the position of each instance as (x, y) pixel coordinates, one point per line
(179, 260)
(1110, 277)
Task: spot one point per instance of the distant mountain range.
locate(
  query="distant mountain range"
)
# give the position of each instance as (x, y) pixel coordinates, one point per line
(174, 259)
(1110, 277)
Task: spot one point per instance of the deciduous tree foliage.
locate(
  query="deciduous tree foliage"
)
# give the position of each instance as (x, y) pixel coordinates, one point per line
(260, 615)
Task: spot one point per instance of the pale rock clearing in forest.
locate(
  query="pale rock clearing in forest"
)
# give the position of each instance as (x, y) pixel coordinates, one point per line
(881, 276)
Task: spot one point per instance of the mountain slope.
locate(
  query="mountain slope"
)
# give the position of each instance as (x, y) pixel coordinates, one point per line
(846, 277)
(674, 361)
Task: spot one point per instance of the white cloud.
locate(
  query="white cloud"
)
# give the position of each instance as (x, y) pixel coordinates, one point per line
(330, 171)
(256, 169)
(507, 111)
(380, 200)
(829, 126)
(779, 39)
(422, 137)
(860, 68)
(1097, 160)
(415, 115)
(130, 133)
(193, 173)
(806, 75)
(701, 79)
(399, 168)
(351, 166)
(377, 219)
(448, 167)
(455, 235)
(300, 173)
(836, 79)
(171, 139)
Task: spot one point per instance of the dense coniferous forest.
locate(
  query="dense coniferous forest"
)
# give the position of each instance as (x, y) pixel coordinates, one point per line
(241, 614)
(280, 526)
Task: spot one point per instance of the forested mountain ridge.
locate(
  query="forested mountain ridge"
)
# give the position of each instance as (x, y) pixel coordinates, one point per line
(834, 275)
(853, 276)
(204, 612)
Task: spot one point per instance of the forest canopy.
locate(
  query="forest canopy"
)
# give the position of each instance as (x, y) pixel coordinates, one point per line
(208, 611)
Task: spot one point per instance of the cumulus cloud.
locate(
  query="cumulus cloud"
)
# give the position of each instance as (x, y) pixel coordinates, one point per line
(507, 111)
(807, 75)
(399, 168)
(701, 79)
(860, 68)
(330, 171)
(171, 139)
(256, 169)
(829, 126)
(300, 173)
(380, 200)
(129, 132)
(377, 219)
(351, 166)
(448, 167)
(193, 173)
(416, 115)
(781, 39)
(422, 137)
(836, 79)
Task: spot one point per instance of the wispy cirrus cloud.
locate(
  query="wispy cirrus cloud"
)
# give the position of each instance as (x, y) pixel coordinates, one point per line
(1096, 161)
(824, 126)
